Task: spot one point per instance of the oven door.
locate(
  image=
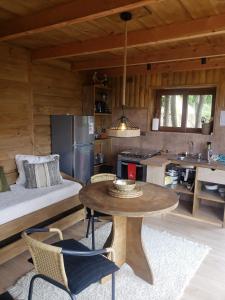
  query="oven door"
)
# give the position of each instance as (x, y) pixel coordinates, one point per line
(140, 170)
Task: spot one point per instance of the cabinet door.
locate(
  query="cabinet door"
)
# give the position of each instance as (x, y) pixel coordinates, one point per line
(156, 175)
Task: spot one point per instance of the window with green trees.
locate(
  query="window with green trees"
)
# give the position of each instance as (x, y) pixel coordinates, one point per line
(185, 110)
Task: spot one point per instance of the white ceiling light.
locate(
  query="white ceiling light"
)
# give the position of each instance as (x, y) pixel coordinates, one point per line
(123, 126)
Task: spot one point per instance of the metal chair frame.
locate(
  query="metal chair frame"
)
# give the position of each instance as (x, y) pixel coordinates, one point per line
(66, 252)
(91, 220)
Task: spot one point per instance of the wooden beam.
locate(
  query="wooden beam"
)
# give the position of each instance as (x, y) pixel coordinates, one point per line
(167, 33)
(65, 14)
(178, 66)
(179, 53)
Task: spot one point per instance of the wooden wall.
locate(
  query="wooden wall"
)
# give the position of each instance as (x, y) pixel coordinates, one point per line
(54, 92)
(140, 108)
(29, 93)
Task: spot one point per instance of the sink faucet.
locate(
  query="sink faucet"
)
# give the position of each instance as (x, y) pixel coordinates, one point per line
(191, 147)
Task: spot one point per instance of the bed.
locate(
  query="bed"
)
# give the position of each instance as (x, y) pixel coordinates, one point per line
(20, 208)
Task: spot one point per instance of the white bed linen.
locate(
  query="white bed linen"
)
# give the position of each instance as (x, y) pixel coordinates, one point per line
(21, 201)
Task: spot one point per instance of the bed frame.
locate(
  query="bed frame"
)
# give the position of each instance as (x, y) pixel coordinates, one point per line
(15, 227)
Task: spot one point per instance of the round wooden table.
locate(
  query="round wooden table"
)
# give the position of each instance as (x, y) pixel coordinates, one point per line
(125, 237)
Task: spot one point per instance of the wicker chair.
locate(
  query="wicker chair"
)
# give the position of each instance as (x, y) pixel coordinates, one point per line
(91, 214)
(67, 264)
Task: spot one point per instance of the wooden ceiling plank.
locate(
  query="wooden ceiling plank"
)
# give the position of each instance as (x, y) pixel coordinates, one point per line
(65, 14)
(173, 32)
(179, 66)
(179, 53)
(199, 8)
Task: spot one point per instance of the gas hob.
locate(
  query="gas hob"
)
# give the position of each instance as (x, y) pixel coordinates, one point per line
(138, 154)
(134, 156)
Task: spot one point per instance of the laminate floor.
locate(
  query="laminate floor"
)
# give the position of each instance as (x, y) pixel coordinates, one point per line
(207, 284)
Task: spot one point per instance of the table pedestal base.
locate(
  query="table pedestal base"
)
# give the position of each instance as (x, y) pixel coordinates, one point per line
(125, 239)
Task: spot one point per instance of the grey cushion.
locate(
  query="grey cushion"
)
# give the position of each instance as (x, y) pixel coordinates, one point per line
(42, 174)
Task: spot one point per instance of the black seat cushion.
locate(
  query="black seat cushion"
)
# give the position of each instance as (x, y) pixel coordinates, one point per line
(82, 271)
(6, 296)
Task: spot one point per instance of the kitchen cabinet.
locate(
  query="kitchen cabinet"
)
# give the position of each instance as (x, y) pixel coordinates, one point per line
(156, 169)
(198, 204)
(212, 199)
(156, 175)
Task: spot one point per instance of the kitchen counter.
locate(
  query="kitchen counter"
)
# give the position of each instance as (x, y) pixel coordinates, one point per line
(164, 159)
(156, 161)
(198, 204)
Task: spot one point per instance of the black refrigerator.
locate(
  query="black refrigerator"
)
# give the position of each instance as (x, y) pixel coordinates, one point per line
(72, 138)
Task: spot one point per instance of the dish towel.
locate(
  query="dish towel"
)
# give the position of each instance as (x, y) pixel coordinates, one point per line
(131, 171)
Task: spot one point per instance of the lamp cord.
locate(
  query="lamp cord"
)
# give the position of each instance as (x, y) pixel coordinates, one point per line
(124, 68)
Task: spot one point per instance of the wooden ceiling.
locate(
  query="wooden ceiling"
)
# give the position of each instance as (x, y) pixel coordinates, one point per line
(89, 34)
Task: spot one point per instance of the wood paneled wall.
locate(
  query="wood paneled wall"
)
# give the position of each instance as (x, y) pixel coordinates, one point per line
(54, 92)
(29, 93)
(140, 100)
(137, 91)
(15, 105)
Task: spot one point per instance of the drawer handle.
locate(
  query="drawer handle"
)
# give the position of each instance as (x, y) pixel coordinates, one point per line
(213, 169)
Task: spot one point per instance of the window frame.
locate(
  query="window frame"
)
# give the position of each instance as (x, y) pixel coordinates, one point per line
(185, 92)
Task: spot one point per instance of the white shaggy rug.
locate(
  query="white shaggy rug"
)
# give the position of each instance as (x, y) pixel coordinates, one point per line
(174, 261)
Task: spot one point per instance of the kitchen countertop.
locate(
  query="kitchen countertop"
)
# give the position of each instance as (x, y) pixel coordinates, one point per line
(164, 159)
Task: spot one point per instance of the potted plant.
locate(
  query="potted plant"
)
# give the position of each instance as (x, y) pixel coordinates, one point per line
(206, 125)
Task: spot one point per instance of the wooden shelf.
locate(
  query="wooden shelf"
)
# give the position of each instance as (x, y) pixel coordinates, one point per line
(210, 196)
(102, 164)
(100, 86)
(178, 188)
(103, 114)
(184, 208)
(102, 140)
(210, 214)
(93, 93)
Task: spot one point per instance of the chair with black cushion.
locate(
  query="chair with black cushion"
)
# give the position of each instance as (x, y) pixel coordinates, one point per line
(93, 215)
(68, 264)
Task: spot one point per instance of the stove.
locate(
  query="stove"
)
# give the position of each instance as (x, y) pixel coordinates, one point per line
(138, 154)
(133, 156)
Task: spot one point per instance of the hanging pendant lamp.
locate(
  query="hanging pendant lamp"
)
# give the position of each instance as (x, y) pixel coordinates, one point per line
(123, 126)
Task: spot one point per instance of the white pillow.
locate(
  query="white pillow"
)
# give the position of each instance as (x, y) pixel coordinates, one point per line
(31, 159)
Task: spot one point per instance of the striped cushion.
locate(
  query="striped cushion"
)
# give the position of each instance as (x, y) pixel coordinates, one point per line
(42, 174)
(4, 187)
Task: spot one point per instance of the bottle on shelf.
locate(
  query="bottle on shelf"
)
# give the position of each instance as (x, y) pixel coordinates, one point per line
(209, 151)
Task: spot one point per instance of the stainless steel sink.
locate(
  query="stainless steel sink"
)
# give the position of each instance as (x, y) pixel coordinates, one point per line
(191, 158)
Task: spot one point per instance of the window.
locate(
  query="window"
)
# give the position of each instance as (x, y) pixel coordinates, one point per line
(184, 110)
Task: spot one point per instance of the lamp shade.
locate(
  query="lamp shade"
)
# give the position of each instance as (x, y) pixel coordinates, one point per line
(123, 128)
